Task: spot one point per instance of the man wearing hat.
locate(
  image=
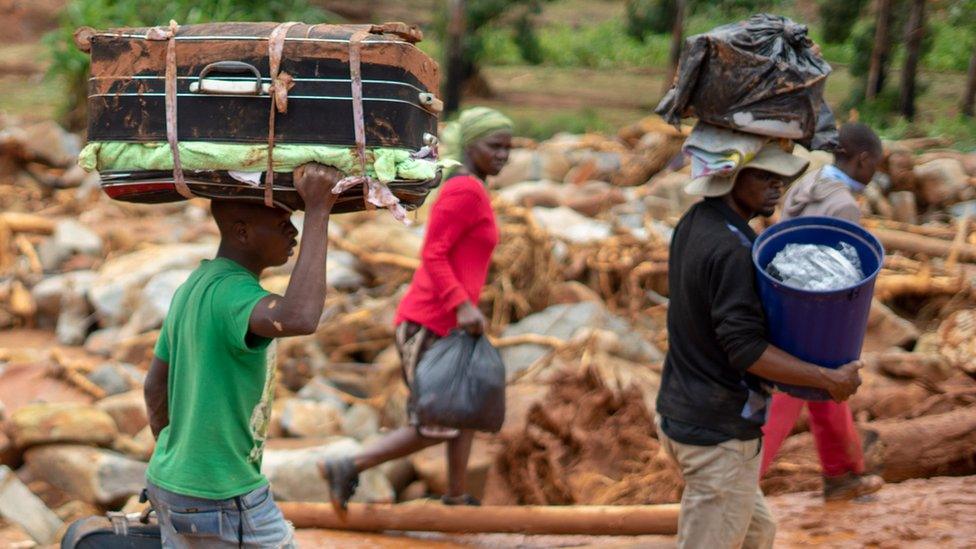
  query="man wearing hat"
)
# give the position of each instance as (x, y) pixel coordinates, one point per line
(712, 403)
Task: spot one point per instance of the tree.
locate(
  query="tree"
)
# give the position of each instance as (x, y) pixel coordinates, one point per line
(649, 17)
(970, 94)
(478, 14)
(914, 31)
(677, 37)
(71, 65)
(880, 49)
(838, 18)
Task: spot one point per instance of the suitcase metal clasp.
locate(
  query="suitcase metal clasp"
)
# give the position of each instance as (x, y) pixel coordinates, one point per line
(220, 86)
(431, 102)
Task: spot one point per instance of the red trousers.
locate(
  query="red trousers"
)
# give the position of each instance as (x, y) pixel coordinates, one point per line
(832, 425)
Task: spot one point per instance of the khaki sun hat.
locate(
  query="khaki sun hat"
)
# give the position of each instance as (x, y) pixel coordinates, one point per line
(770, 158)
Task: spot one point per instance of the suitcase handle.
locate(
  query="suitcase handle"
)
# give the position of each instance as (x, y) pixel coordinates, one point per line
(229, 87)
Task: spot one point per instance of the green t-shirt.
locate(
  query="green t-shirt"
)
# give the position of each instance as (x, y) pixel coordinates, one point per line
(221, 384)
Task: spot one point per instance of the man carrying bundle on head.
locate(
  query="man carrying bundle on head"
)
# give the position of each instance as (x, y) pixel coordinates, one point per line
(712, 402)
(830, 191)
(210, 385)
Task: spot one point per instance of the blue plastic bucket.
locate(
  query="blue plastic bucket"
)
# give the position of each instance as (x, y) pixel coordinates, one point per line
(824, 328)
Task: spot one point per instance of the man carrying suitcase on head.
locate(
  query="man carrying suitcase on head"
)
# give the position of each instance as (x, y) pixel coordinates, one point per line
(210, 385)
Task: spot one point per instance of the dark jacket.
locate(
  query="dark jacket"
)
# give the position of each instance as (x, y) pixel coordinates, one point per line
(716, 327)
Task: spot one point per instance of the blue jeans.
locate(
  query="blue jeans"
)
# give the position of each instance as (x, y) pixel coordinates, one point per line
(251, 520)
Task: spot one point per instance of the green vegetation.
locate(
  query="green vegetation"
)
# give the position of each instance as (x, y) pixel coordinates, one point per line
(567, 65)
(69, 67)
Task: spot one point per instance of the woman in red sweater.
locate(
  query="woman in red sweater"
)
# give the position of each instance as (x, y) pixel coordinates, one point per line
(444, 294)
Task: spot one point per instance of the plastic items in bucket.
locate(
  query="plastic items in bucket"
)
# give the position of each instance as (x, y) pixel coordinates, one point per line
(825, 328)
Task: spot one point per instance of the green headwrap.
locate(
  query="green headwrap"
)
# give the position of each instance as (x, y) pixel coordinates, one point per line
(471, 125)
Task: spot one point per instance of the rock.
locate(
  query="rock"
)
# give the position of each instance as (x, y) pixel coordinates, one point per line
(20, 506)
(90, 474)
(70, 238)
(319, 389)
(594, 197)
(571, 320)
(136, 350)
(137, 449)
(572, 291)
(112, 377)
(941, 181)
(342, 271)
(545, 163)
(567, 224)
(306, 418)
(416, 490)
(886, 330)
(386, 236)
(431, 466)
(904, 207)
(399, 472)
(73, 177)
(120, 280)
(9, 454)
(154, 301)
(74, 320)
(49, 143)
(361, 421)
(74, 510)
(669, 187)
(528, 194)
(294, 474)
(46, 423)
(128, 410)
(50, 292)
(103, 342)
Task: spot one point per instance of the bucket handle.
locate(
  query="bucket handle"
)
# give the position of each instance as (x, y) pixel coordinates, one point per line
(229, 87)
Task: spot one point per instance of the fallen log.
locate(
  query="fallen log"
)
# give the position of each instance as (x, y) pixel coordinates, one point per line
(928, 446)
(890, 286)
(927, 367)
(926, 245)
(28, 223)
(595, 520)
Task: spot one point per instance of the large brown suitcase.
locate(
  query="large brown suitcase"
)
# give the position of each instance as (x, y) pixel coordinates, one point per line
(226, 86)
(218, 67)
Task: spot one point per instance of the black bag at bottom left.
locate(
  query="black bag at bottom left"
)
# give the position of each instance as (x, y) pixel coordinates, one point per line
(113, 531)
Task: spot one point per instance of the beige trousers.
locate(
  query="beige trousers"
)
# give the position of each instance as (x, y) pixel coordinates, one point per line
(722, 505)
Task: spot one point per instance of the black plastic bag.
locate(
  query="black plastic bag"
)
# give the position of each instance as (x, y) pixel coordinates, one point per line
(762, 76)
(460, 383)
(826, 137)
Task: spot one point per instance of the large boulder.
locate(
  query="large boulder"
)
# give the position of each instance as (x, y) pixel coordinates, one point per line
(942, 181)
(115, 378)
(566, 224)
(49, 293)
(92, 475)
(46, 423)
(121, 280)
(295, 476)
(154, 301)
(128, 410)
(361, 421)
(570, 320)
(342, 271)
(308, 418)
(70, 238)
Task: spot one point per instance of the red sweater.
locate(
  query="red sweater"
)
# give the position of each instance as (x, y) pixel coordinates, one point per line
(461, 235)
